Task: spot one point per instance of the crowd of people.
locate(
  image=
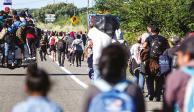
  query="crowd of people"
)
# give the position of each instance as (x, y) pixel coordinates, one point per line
(164, 65)
(71, 45)
(19, 37)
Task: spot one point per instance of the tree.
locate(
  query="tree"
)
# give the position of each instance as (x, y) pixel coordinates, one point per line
(60, 10)
(173, 16)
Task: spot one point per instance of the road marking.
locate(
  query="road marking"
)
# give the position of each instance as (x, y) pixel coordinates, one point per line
(73, 77)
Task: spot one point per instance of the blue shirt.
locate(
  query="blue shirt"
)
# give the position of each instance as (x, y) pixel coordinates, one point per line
(37, 104)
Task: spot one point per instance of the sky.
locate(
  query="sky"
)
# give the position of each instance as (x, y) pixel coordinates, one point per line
(17, 4)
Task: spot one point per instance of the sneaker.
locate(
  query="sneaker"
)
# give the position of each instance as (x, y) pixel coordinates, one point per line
(33, 58)
(13, 64)
(151, 98)
(158, 99)
(147, 95)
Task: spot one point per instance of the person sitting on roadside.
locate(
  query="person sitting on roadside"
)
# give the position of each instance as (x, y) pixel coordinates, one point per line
(105, 95)
(37, 85)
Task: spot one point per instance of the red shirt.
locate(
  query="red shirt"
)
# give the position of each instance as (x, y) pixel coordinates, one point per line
(29, 36)
(52, 42)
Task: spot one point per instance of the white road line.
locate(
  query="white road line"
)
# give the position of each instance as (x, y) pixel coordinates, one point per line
(73, 77)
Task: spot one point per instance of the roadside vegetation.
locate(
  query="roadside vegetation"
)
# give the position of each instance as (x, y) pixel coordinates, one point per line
(174, 17)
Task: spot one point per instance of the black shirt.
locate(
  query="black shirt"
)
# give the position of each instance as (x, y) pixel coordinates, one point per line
(164, 42)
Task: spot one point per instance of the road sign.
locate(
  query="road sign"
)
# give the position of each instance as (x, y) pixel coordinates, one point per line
(50, 17)
(7, 2)
(74, 20)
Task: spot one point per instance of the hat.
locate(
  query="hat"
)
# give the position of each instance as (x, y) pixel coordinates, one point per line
(7, 9)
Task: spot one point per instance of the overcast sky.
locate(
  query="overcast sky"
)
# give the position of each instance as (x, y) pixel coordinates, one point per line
(40, 3)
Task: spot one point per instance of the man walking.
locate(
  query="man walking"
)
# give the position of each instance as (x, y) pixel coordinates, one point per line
(156, 45)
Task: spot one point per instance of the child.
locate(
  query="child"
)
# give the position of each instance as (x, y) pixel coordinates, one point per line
(37, 85)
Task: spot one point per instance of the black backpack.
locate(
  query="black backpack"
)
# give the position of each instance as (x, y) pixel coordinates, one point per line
(156, 50)
(61, 45)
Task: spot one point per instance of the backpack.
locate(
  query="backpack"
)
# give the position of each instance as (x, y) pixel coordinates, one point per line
(189, 96)
(78, 46)
(155, 50)
(189, 91)
(112, 99)
(122, 43)
(61, 45)
(164, 64)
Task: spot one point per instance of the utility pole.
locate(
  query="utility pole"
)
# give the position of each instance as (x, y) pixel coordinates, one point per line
(53, 1)
(88, 7)
(87, 16)
(74, 8)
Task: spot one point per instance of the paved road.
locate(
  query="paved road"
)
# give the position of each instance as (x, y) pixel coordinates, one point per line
(66, 90)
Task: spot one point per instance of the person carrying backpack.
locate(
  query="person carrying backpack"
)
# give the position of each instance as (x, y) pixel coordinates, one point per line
(135, 64)
(177, 81)
(78, 47)
(43, 49)
(156, 45)
(37, 86)
(112, 92)
(189, 96)
(61, 44)
(52, 44)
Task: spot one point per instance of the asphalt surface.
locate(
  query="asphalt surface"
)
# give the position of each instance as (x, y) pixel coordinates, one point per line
(66, 90)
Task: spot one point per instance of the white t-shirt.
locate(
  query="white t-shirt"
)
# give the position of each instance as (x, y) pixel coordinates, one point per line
(100, 40)
(135, 52)
(144, 37)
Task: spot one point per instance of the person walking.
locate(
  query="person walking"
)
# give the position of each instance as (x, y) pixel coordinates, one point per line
(78, 49)
(89, 53)
(174, 94)
(112, 92)
(135, 64)
(52, 44)
(156, 45)
(101, 35)
(43, 49)
(37, 86)
(61, 44)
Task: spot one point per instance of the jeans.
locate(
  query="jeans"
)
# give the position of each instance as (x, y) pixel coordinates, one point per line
(96, 72)
(61, 57)
(31, 47)
(139, 79)
(6, 49)
(78, 55)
